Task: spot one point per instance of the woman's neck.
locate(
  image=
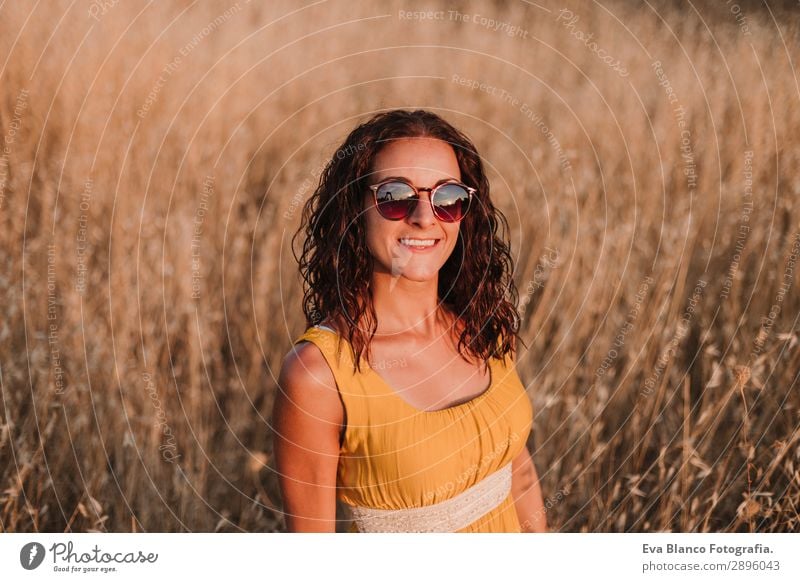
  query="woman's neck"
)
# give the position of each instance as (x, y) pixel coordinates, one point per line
(407, 307)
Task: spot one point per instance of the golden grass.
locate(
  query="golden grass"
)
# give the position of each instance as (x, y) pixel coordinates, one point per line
(674, 409)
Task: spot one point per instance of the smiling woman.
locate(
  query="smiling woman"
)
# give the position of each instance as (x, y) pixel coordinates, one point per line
(403, 263)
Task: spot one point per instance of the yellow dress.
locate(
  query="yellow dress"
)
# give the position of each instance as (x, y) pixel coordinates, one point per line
(395, 456)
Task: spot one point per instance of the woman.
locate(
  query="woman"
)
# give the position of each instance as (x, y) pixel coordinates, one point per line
(403, 401)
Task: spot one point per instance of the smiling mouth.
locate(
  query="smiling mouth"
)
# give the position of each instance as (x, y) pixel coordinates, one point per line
(416, 244)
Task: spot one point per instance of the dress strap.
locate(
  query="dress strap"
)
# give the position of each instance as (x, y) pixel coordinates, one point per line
(354, 388)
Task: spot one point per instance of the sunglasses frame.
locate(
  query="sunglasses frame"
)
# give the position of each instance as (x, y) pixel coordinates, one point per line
(431, 193)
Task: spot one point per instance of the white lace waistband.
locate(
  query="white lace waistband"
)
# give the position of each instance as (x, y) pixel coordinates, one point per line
(449, 515)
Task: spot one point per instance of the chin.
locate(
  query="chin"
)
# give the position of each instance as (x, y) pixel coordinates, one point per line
(420, 275)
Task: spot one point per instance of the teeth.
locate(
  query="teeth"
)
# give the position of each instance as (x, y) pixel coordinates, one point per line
(413, 242)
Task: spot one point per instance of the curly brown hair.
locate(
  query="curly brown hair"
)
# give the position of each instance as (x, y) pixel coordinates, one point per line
(475, 283)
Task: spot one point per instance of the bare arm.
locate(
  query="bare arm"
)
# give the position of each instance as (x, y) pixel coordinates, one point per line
(527, 493)
(307, 418)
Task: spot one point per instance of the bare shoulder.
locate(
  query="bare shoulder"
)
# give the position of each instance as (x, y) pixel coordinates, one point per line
(305, 365)
(306, 381)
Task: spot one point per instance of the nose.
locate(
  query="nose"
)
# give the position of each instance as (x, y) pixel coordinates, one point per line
(423, 215)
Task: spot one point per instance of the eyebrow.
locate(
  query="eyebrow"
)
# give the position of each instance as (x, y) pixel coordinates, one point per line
(403, 178)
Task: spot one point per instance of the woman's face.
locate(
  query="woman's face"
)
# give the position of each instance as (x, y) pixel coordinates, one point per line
(424, 162)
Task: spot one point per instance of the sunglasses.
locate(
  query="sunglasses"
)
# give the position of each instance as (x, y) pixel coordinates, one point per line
(396, 199)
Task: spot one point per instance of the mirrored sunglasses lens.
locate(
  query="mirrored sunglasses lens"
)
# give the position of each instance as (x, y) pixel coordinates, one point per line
(395, 199)
(451, 202)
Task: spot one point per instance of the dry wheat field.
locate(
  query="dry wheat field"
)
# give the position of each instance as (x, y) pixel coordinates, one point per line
(154, 160)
